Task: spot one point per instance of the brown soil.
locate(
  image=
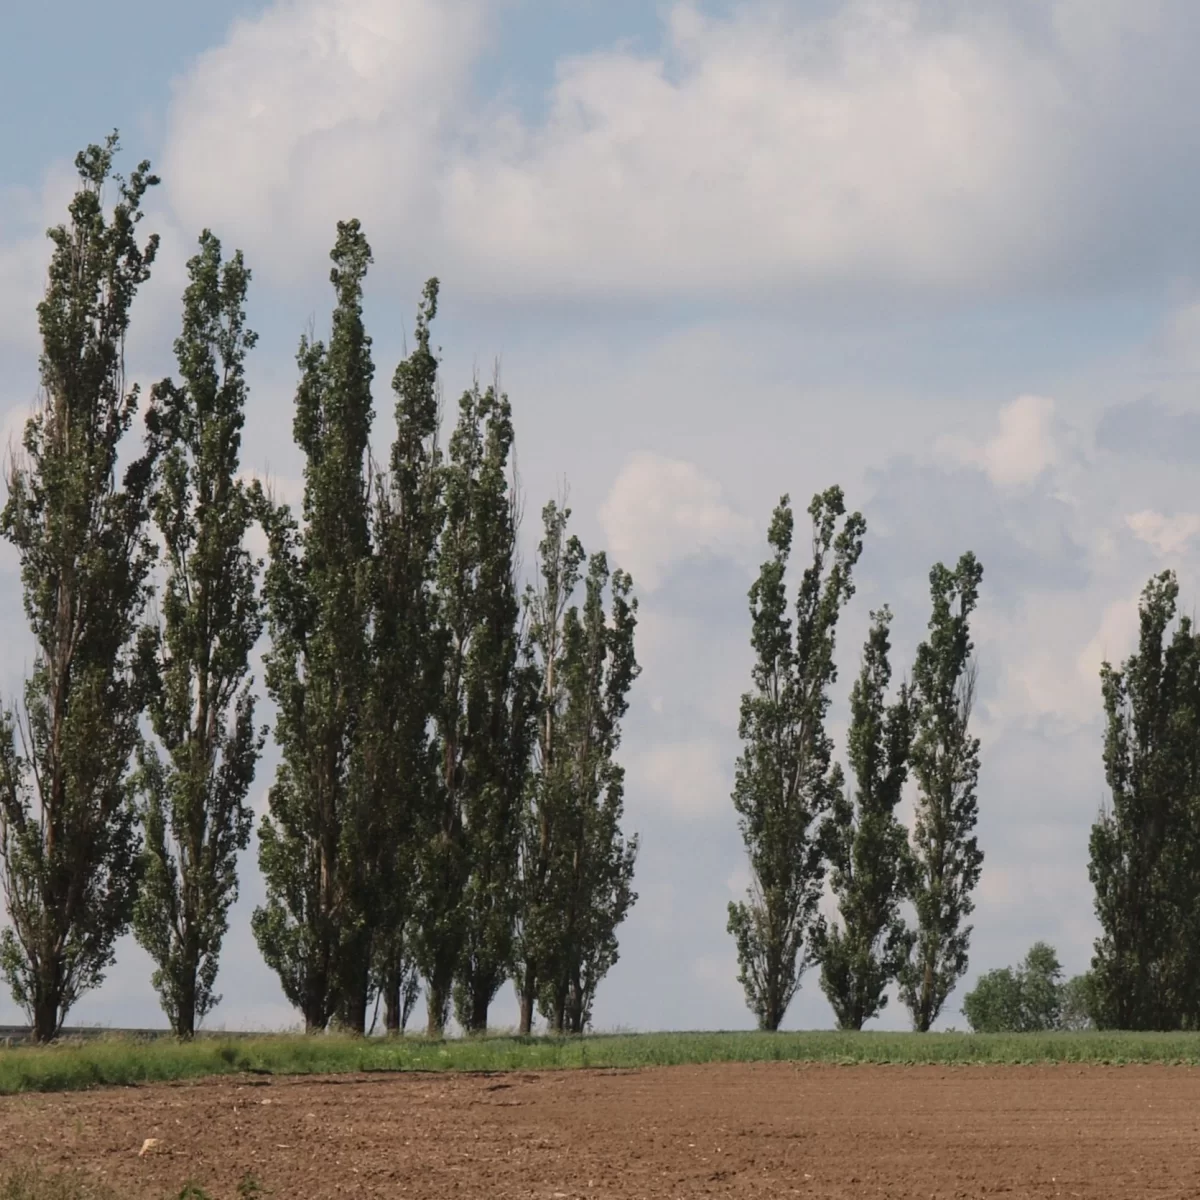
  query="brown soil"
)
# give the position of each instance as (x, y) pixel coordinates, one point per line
(768, 1130)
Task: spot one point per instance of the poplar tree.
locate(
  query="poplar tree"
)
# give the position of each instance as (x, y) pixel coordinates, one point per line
(68, 818)
(398, 753)
(195, 812)
(784, 783)
(470, 848)
(868, 846)
(586, 891)
(945, 764)
(546, 813)
(311, 930)
(1145, 852)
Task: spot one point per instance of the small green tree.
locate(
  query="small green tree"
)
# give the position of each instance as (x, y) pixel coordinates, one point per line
(945, 763)
(785, 785)
(868, 846)
(994, 1004)
(202, 711)
(1078, 1002)
(1027, 999)
(68, 816)
(312, 931)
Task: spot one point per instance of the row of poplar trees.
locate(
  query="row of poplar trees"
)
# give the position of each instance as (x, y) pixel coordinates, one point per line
(447, 807)
(807, 826)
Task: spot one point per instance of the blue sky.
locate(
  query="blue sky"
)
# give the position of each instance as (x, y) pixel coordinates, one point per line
(944, 255)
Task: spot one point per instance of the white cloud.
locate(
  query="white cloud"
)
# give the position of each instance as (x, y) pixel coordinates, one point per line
(771, 147)
(1114, 638)
(885, 142)
(1019, 451)
(1169, 535)
(663, 511)
(315, 111)
(691, 779)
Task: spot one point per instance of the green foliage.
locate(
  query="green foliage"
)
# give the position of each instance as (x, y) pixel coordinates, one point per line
(945, 763)
(311, 931)
(784, 784)
(1027, 999)
(1079, 1003)
(549, 800)
(868, 846)
(576, 862)
(195, 814)
(469, 856)
(1145, 853)
(397, 760)
(68, 827)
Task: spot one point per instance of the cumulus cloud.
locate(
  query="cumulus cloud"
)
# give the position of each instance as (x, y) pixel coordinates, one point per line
(1169, 535)
(319, 110)
(892, 142)
(1022, 447)
(662, 511)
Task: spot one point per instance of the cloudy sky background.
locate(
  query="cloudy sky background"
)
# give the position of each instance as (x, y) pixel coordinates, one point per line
(944, 254)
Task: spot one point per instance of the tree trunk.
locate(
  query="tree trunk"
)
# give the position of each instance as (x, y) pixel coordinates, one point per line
(437, 1002)
(45, 1015)
(392, 1005)
(558, 1020)
(357, 1001)
(185, 1017)
(480, 1003)
(527, 995)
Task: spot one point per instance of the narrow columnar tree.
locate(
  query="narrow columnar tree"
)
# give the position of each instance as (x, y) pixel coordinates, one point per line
(68, 817)
(591, 859)
(547, 808)
(317, 591)
(868, 846)
(1145, 852)
(397, 752)
(784, 783)
(469, 858)
(202, 710)
(945, 764)
(497, 714)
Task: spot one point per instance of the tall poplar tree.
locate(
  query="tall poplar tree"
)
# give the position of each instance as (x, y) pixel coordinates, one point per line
(317, 593)
(547, 811)
(868, 846)
(202, 711)
(470, 853)
(580, 793)
(784, 782)
(68, 818)
(945, 764)
(1145, 850)
(398, 754)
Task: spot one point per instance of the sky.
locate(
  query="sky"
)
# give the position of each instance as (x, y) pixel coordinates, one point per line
(945, 255)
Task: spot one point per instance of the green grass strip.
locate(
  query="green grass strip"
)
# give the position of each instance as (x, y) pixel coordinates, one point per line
(116, 1061)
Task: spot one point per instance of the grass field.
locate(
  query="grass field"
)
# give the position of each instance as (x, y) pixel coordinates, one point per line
(120, 1061)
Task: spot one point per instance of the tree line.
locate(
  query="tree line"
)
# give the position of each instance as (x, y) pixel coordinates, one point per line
(447, 811)
(808, 828)
(448, 806)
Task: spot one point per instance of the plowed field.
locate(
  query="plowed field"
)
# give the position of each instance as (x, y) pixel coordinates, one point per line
(764, 1130)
